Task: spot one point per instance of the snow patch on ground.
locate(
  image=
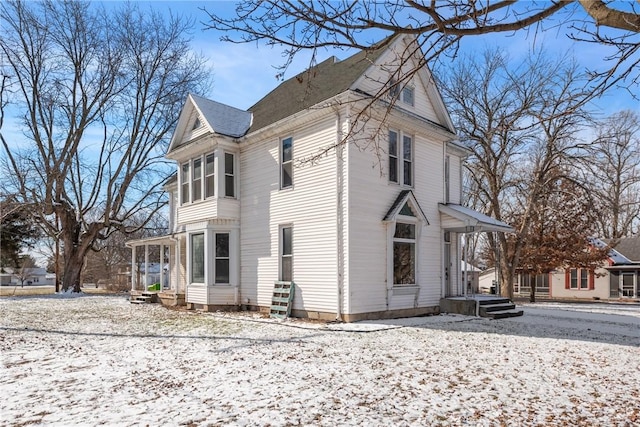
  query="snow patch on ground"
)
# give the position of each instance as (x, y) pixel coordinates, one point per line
(96, 360)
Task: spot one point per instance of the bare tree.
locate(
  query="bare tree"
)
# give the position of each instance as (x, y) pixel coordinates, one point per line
(612, 171)
(25, 269)
(519, 121)
(100, 92)
(438, 25)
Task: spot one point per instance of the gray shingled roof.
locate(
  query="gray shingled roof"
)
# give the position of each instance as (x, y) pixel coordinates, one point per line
(327, 79)
(224, 119)
(629, 247)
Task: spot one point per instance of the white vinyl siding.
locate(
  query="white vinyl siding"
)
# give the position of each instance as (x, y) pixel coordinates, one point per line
(311, 208)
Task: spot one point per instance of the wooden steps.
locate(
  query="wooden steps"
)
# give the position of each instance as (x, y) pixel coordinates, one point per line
(282, 299)
(144, 298)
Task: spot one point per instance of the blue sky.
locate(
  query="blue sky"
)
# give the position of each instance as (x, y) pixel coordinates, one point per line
(243, 73)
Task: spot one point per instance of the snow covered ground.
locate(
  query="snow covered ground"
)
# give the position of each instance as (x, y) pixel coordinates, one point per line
(99, 360)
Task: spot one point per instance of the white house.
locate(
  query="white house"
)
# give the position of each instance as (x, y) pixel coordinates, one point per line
(369, 228)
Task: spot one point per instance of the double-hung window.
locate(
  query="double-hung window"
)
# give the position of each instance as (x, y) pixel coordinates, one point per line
(209, 175)
(286, 162)
(579, 278)
(286, 254)
(400, 158)
(222, 258)
(184, 181)
(229, 175)
(408, 95)
(197, 258)
(404, 254)
(196, 185)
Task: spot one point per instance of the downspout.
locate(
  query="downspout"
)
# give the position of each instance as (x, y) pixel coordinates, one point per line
(339, 214)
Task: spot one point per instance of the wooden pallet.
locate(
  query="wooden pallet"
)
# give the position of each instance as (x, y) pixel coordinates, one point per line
(282, 299)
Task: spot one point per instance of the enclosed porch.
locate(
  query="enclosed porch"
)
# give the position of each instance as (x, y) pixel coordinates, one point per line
(156, 276)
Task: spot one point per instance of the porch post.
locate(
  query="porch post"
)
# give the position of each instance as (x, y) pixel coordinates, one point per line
(133, 268)
(176, 263)
(162, 267)
(146, 266)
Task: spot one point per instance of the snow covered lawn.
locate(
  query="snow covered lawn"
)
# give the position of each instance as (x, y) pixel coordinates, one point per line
(99, 360)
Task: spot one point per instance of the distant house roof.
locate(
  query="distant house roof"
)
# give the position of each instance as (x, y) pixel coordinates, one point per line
(625, 250)
(222, 118)
(319, 83)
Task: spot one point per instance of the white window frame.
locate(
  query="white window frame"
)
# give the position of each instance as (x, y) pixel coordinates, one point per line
(286, 164)
(412, 241)
(216, 257)
(192, 257)
(230, 175)
(408, 95)
(282, 255)
(211, 175)
(196, 181)
(185, 184)
(399, 158)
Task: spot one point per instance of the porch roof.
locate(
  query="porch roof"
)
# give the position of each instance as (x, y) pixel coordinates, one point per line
(157, 240)
(460, 219)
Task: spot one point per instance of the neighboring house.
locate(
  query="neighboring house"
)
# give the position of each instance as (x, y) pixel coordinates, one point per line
(367, 229)
(617, 279)
(35, 276)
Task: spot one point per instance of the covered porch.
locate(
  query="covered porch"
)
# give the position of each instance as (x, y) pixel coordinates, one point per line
(458, 224)
(156, 274)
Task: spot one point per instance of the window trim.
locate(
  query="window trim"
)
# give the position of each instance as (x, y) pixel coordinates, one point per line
(196, 181)
(216, 257)
(282, 255)
(207, 176)
(569, 279)
(284, 163)
(399, 158)
(231, 175)
(185, 200)
(192, 257)
(412, 91)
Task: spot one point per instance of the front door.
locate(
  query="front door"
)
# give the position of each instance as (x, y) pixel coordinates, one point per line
(447, 265)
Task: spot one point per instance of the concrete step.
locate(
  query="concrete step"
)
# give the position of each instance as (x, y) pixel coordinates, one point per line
(497, 307)
(502, 314)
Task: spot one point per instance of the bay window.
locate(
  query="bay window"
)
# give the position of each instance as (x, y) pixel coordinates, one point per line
(196, 183)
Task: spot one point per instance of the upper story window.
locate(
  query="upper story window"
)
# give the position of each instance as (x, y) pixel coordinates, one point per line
(229, 175)
(196, 183)
(408, 95)
(184, 180)
(286, 163)
(209, 175)
(400, 158)
(447, 184)
(198, 177)
(196, 124)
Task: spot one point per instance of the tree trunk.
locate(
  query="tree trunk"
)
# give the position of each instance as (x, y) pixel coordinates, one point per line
(73, 261)
(532, 293)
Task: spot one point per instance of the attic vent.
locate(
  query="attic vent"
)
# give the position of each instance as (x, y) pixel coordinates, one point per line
(406, 210)
(196, 124)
